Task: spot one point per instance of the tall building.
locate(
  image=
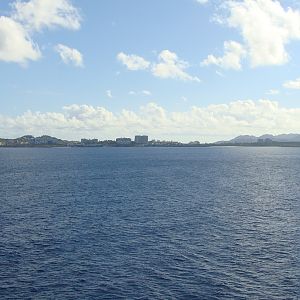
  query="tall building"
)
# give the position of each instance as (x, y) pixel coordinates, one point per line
(141, 139)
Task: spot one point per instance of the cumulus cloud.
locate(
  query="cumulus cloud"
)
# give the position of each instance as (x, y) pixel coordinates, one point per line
(234, 52)
(292, 84)
(133, 62)
(15, 43)
(16, 30)
(69, 55)
(206, 123)
(266, 28)
(39, 14)
(168, 65)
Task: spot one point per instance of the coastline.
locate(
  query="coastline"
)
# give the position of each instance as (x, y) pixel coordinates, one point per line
(212, 145)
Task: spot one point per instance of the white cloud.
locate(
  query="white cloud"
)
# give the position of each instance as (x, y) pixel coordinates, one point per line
(184, 99)
(109, 94)
(220, 74)
(170, 66)
(144, 92)
(292, 84)
(16, 30)
(15, 43)
(234, 52)
(39, 14)
(69, 55)
(207, 123)
(266, 27)
(147, 93)
(272, 92)
(133, 62)
(202, 1)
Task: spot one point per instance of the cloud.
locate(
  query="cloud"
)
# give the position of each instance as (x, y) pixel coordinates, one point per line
(147, 93)
(202, 1)
(184, 99)
(15, 43)
(17, 29)
(39, 14)
(109, 94)
(171, 67)
(168, 66)
(133, 62)
(69, 55)
(292, 84)
(220, 74)
(272, 92)
(144, 92)
(234, 52)
(266, 28)
(204, 123)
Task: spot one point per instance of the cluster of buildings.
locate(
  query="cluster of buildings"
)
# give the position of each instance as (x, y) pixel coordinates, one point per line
(48, 141)
(139, 140)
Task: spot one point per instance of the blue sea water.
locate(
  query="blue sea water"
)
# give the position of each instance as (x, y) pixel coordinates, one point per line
(150, 223)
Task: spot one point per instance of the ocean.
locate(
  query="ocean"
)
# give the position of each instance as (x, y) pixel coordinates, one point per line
(150, 223)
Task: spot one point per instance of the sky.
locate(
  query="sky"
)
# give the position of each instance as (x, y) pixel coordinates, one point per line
(183, 70)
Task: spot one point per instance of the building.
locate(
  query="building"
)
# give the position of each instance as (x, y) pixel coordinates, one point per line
(123, 141)
(141, 139)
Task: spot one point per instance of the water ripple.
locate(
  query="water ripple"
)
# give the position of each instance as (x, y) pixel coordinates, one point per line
(139, 223)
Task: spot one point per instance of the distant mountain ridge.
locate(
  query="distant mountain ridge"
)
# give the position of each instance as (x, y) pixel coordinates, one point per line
(250, 139)
(31, 140)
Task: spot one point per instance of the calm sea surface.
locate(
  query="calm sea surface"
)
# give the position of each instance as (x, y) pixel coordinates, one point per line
(150, 223)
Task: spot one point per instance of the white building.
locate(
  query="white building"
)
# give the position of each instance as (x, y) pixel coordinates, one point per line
(141, 139)
(123, 141)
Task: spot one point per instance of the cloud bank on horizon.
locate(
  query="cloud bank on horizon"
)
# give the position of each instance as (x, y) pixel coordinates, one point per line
(209, 123)
(251, 38)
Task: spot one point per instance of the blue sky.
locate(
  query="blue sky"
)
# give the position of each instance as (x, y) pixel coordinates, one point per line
(74, 61)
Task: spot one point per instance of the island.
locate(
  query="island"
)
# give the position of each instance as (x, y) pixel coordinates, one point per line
(283, 140)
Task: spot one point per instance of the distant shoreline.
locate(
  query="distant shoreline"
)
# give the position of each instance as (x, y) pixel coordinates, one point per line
(45, 141)
(212, 145)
